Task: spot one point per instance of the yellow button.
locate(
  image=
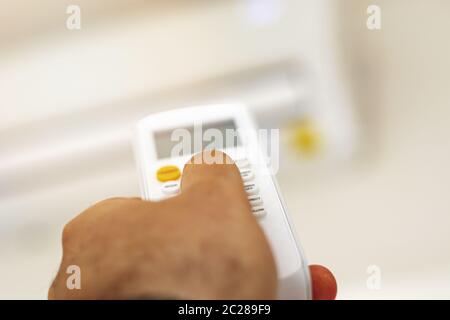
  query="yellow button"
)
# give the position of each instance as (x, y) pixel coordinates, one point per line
(168, 173)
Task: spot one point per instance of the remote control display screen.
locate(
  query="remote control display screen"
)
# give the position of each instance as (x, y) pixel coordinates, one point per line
(190, 140)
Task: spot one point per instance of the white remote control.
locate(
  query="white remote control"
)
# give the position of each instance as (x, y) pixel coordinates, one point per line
(166, 141)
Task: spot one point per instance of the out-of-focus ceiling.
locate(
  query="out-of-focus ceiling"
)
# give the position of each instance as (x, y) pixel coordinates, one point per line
(23, 19)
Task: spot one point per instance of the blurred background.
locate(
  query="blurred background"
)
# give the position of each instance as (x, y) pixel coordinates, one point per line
(364, 117)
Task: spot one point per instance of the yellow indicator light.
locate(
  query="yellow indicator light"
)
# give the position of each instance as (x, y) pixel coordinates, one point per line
(306, 138)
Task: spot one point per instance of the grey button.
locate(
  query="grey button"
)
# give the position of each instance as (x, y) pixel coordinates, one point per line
(255, 200)
(242, 163)
(171, 187)
(250, 188)
(259, 212)
(247, 174)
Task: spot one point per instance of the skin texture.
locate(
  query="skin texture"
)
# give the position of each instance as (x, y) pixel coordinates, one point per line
(202, 244)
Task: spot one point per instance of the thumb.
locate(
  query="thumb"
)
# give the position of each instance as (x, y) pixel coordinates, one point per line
(211, 166)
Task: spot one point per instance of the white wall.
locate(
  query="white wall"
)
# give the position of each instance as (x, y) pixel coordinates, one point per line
(391, 207)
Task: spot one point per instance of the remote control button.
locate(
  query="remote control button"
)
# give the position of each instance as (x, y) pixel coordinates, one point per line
(259, 212)
(250, 188)
(255, 200)
(171, 187)
(247, 174)
(242, 163)
(168, 173)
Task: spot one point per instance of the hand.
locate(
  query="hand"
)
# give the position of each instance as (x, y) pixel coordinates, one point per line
(202, 244)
